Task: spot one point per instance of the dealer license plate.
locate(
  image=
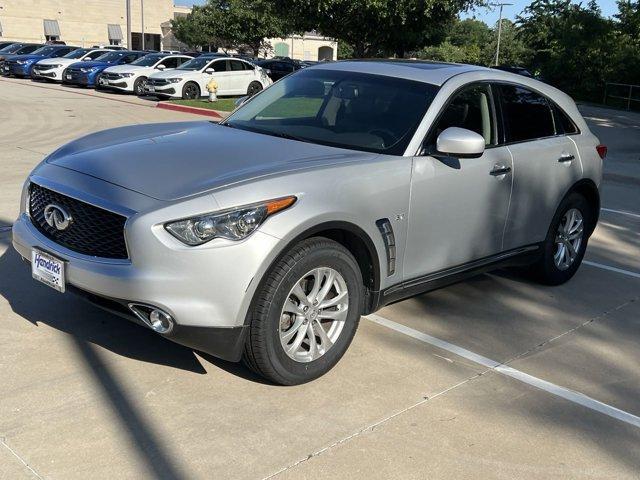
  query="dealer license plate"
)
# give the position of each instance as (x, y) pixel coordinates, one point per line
(47, 269)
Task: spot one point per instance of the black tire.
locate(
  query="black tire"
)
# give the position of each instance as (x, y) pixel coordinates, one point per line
(190, 91)
(96, 82)
(264, 353)
(545, 270)
(138, 86)
(254, 87)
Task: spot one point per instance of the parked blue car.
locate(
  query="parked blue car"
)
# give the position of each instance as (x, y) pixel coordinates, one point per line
(87, 73)
(15, 49)
(21, 65)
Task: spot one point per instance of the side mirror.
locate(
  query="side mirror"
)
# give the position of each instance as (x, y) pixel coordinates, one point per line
(209, 71)
(241, 101)
(161, 67)
(460, 142)
(86, 59)
(267, 71)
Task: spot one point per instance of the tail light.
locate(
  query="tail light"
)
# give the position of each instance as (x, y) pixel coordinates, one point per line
(602, 151)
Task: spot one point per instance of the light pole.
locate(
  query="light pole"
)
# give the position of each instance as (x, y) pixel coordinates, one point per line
(501, 5)
(128, 7)
(142, 21)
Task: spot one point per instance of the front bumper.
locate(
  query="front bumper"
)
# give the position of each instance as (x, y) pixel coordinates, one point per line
(79, 78)
(117, 84)
(162, 90)
(49, 74)
(17, 70)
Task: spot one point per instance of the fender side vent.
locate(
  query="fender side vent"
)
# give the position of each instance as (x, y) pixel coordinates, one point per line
(386, 230)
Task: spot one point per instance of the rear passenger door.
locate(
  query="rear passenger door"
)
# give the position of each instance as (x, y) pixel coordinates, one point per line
(545, 161)
(240, 78)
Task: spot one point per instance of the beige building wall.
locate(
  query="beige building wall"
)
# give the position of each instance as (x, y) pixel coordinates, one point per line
(81, 22)
(311, 46)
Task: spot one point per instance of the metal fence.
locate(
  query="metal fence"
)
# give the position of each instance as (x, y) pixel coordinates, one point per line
(622, 95)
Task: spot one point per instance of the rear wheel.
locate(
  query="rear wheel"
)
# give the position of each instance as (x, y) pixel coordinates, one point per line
(305, 313)
(190, 91)
(566, 241)
(139, 85)
(254, 87)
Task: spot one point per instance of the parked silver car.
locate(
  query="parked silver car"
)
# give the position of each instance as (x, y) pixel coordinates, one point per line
(338, 190)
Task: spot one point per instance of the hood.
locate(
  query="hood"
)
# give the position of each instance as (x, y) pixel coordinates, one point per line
(91, 64)
(124, 68)
(177, 160)
(173, 73)
(58, 61)
(28, 57)
(9, 56)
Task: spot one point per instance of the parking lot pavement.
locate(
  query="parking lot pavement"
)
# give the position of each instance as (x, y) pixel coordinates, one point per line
(495, 377)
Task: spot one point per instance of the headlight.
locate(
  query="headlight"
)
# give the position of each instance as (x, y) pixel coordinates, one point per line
(87, 70)
(22, 62)
(234, 224)
(51, 66)
(174, 80)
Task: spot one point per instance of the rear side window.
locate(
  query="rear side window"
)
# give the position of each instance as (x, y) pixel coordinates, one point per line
(563, 123)
(527, 115)
(236, 65)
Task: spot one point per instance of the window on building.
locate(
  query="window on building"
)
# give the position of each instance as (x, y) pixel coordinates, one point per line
(51, 30)
(115, 34)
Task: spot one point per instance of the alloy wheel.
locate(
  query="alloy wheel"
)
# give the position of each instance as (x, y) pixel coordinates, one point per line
(568, 239)
(314, 314)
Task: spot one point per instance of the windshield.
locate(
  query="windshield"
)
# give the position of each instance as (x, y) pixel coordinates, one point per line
(45, 51)
(148, 60)
(11, 48)
(358, 111)
(195, 64)
(79, 53)
(111, 57)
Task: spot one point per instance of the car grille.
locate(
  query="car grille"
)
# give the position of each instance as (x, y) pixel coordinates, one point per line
(157, 82)
(111, 76)
(93, 231)
(41, 68)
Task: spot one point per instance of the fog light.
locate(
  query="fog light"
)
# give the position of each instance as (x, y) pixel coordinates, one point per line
(153, 317)
(160, 321)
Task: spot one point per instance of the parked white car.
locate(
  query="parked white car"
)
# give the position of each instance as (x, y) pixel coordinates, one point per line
(189, 81)
(52, 68)
(133, 76)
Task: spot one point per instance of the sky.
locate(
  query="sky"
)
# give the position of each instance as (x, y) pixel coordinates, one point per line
(487, 15)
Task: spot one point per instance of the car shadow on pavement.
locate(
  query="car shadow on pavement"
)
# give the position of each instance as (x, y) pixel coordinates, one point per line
(88, 324)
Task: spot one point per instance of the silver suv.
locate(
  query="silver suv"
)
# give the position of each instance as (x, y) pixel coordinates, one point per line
(338, 190)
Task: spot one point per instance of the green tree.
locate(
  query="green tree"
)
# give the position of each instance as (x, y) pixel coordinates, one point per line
(574, 46)
(376, 27)
(513, 50)
(232, 24)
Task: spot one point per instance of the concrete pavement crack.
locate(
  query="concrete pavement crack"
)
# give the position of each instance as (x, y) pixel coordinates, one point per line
(373, 426)
(22, 460)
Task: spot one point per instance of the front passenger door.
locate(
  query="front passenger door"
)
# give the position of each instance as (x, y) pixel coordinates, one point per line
(458, 206)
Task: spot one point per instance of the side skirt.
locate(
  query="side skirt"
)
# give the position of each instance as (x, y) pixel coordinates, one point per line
(517, 257)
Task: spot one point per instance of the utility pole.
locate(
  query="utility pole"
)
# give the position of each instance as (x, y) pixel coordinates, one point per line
(128, 7)
(142, 21)
(501, 5)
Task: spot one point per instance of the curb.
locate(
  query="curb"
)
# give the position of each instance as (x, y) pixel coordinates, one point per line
(198, 111)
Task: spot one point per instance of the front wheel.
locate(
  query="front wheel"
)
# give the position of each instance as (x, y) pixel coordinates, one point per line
(139, 86)
(305, 313)
(566, 241)
(190, 91)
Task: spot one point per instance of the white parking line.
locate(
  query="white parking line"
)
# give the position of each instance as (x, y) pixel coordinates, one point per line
(567, 394)
(621, 212)
(611, 269)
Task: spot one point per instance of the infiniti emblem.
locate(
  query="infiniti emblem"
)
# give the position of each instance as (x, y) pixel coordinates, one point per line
(57, 217)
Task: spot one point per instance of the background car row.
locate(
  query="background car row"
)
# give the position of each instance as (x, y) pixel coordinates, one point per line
(163, 74)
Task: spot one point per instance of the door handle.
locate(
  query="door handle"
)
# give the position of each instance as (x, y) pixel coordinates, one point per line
(499, 170)
(567, 157)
